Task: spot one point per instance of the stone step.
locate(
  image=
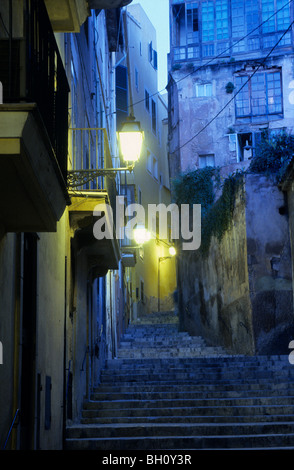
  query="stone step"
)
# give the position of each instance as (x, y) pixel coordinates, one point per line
(184, 442)
(168, 352)
(242, 410)
(174, 429)
(196, 394)
(199, 419)
(161, 404)
(145, 377)
(202, 388)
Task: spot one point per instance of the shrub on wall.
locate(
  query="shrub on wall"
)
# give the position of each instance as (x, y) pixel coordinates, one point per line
(199, 187)
(272, 154)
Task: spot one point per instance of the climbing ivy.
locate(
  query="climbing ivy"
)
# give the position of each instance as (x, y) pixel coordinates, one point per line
(272, 156)
(220, 215)
(199, 187)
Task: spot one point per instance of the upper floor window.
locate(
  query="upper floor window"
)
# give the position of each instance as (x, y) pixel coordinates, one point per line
(147, 101)
(222, 19)
(136, 79)
(192, 23)
(275, 22)
(152, 165)
(261, 96)
(238, 18)
(153, 116)
(152, 56)
(208, 21)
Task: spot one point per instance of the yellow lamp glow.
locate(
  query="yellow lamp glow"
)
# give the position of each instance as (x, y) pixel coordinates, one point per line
(172, 251)
(131, 139)
(141, 235)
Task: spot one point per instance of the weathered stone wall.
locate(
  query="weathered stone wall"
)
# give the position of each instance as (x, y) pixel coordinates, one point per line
(239, 296)
(269, 265)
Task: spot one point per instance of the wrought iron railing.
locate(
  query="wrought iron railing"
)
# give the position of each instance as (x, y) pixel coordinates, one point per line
(91, 161)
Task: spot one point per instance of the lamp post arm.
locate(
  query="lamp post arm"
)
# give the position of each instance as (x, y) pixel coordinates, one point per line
(77, 178)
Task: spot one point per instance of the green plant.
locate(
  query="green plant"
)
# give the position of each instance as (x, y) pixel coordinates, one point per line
(230, 87)
(199, 187)
(272, 154)
(220, 215)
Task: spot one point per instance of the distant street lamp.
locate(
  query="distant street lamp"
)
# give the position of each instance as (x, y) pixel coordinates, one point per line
(141, 235)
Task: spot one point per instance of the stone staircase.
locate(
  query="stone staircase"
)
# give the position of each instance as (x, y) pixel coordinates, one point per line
(169, 391)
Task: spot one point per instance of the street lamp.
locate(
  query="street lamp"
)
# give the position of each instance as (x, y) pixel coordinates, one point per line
(141, 235)
(130, 139)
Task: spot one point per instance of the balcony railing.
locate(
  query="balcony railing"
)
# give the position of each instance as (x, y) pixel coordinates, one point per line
(91, 158)
(31, 70)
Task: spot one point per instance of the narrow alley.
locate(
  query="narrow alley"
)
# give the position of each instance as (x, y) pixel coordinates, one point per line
(167, 390)
(146, 226)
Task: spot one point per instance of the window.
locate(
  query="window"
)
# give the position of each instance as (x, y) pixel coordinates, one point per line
(152, 165)
(150, 50)
(207, 21)
(180, 53)
(251, 15)
(283, 16)
(222, 19)
(208, 50)
(153, 111)
(136, 79)
(239, 47)
(121, 94)
(206, 160)
(193, 52)
(268, 10)
(253, 44)
(155, 59)
(152, 56)
(147, 101)
(203, 90)
(142, 297)
(261, 96)
(278, 22)
(139, 195)
(192, 27)
(238, 18)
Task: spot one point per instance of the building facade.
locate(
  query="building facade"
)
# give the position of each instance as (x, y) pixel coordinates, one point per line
(231, 75)
(231, 82)
(152, 280)
(62, 291)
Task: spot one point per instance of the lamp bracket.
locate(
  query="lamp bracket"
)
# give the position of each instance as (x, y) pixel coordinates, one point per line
(76, 178)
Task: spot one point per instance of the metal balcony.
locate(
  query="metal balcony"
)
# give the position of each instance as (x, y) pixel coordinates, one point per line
(33, 122)
(91, 184)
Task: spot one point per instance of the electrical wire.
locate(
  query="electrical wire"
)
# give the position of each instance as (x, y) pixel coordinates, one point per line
(219, 55)
(233, 98)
